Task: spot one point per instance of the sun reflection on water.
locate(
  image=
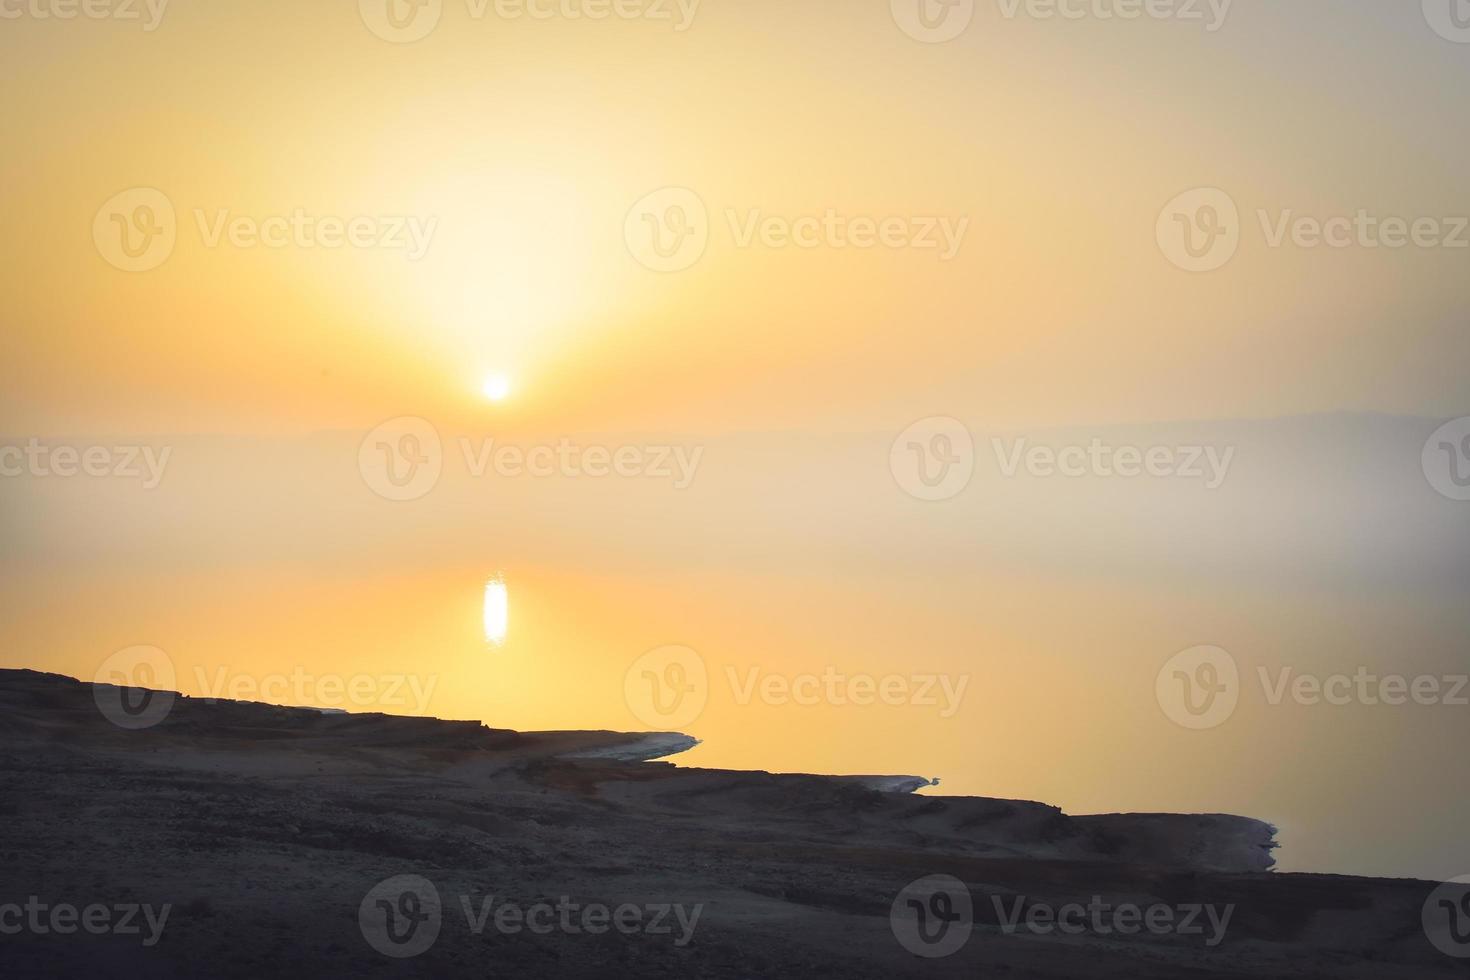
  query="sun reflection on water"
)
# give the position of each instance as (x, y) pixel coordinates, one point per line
(497, 610)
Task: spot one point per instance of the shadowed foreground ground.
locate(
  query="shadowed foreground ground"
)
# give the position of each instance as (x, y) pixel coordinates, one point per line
(269, 833)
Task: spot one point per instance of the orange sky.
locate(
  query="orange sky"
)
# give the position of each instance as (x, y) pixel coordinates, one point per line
(527, 142)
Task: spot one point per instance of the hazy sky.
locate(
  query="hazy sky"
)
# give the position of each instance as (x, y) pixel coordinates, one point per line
(524, 143)
(780, 235)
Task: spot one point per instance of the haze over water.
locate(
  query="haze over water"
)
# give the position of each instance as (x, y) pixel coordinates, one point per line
(1020, 627)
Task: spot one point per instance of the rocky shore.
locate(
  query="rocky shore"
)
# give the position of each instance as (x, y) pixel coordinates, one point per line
(251, 840)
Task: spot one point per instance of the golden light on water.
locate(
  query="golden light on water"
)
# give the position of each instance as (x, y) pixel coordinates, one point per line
(497, 611)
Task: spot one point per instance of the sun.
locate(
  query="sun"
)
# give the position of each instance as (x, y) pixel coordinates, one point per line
(496, 388)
